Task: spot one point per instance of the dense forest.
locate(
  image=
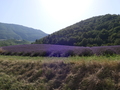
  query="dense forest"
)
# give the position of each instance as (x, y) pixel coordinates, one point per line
(10, 42)
(18, 32)
(95, 31)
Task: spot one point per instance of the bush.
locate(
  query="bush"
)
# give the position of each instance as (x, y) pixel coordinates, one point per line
(44, 53)
(26, 54)
(20, 53)
(108, 52)
(55, 54)
(1, 51)
(13, 53)
(6, 53)
(33, 54)
(86, 52)
(69, 53)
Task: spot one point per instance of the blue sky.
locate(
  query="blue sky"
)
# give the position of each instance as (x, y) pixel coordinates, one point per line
(53, 15)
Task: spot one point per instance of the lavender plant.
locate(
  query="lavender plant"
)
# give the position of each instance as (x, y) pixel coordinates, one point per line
(59, 50)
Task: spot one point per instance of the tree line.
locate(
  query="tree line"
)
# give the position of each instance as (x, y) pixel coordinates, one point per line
(95, 31)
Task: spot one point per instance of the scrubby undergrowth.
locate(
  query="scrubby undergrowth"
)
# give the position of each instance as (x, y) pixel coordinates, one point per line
(59, 75)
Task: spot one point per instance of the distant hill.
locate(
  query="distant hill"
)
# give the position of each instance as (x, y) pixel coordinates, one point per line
(95, 31)
(18, 32)
(10, 42)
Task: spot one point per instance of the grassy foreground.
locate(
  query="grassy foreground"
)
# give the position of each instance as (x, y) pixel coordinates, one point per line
(52, 73)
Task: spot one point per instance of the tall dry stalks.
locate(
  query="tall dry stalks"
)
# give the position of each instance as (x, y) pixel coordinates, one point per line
(1, 50)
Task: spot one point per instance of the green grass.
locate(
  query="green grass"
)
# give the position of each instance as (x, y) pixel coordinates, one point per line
(52, 73)
(64, 59)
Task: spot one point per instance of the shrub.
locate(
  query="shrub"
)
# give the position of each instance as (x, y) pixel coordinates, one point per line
(55, 54)
(35, 76)
(60, 50)
(1, 51)
(49, 74)
(7, 53)
(14, 53)
(86, 52)
(44, 53)
(33, 54)
(26, 54)
(20, 53)
(108, 52)
(69, 53)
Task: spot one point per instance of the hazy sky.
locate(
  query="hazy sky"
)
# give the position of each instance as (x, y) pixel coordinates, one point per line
(53, 15)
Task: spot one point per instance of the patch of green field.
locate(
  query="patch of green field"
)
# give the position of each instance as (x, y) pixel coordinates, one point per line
(64, 59)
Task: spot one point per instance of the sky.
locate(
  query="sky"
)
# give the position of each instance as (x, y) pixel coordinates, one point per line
(53, 15)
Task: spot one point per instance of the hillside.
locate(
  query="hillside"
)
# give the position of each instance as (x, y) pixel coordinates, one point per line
(10, 42)
(12, 31)
(95, 31)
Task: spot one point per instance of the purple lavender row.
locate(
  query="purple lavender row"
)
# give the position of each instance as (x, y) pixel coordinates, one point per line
(59, 50)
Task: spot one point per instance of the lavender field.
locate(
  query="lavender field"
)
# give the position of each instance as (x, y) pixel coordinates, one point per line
(58, 50)
(53, 73)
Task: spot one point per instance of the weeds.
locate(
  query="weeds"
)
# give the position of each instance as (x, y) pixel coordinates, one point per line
(1, 51)
(73, 73)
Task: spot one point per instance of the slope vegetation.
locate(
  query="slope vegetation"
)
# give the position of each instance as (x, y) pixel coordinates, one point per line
(45, 74)
(12, 31)
(10, 42)
(95, 31)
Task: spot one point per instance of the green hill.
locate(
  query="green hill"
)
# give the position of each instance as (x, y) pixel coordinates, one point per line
(95, 31)
(18, 32)
(10, 42)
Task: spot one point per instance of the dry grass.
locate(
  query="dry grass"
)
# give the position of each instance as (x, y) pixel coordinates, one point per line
(1, 50)
(73, 73)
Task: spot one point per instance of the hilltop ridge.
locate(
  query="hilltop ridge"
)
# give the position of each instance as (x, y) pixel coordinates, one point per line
(19, 32)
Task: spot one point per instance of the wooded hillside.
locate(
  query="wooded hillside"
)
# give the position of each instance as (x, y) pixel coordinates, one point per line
(95, 31)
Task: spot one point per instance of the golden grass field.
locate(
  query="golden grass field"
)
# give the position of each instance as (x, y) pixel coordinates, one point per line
(64, 73)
